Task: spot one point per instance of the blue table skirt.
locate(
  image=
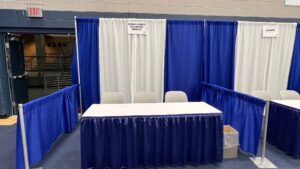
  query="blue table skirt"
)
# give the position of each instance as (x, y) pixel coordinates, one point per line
(284, 128)
(133, 142)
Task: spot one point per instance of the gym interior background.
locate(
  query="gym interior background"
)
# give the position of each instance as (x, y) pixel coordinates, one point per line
(36, 52)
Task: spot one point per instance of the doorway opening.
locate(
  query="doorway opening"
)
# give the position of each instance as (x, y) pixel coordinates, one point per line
(48, 59)
(37, 65)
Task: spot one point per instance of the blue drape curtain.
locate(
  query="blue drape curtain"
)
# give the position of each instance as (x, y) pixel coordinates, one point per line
(45, 120)
(88, 50)
(132, 142)
(219, 54)
(294, 77)
(198, 51)
(284, 128)
(184, 57)
(241, 111)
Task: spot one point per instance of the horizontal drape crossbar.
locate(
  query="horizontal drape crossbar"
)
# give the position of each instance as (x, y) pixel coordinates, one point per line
(239, 95)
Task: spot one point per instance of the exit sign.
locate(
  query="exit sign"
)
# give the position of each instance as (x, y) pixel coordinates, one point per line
(34, 12)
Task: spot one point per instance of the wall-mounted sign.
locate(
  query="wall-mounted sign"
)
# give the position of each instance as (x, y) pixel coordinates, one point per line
(292, 2)
(34, 12)
(270, 31)
(137, 27)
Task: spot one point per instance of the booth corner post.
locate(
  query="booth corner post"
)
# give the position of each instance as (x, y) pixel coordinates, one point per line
(23, 134)
(263, 153)
(78, 66)
(263, 162)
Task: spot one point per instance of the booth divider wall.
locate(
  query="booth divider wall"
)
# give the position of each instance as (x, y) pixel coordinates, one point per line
(243, 112)
(45, 119)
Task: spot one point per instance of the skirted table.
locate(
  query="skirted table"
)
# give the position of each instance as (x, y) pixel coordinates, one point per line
(151, 134)
(284, 126)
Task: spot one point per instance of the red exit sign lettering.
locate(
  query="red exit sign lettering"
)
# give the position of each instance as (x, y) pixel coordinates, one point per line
(34, 12)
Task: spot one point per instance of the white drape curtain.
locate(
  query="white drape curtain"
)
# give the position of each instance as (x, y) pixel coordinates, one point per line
(131, 63)
(263, 63)
(115, 57)
(149, 61)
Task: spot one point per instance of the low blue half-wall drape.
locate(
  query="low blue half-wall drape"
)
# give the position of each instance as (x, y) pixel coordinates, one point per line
(243, 112)
(88, 50)
(219, 53)
(151, 141)
(183, 57)
(294, 78)
(45, 120)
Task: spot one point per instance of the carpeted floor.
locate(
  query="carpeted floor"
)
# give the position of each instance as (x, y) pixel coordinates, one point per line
(65, 154)
(7, 147)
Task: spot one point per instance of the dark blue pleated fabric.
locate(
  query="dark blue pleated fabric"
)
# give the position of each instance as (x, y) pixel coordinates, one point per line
(45, 120)
(132, 142)
(184, 57)
(284, 128)
(241, 111)
(219, 55)
(294, 78)
(88, 49)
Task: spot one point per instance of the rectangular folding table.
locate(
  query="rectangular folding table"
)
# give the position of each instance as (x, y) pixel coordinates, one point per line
(151, 134)
(284, 126)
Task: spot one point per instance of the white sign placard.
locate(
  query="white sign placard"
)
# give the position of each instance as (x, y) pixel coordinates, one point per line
(270, 31)
(137, 27)
(292, 2)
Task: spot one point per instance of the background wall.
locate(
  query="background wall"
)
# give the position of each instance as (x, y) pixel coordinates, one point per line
(256, 8)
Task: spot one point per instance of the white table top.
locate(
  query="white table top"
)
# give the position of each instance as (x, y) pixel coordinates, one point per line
(148, 109)
(291, 103)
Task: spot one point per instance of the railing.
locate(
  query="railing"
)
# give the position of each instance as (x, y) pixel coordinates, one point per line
(48, 73)
(48, 63)
(56, 81)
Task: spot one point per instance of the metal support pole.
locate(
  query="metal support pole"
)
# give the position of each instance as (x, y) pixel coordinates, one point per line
(23, 134)
(263, 162)
(78, 67)
(263, 153)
